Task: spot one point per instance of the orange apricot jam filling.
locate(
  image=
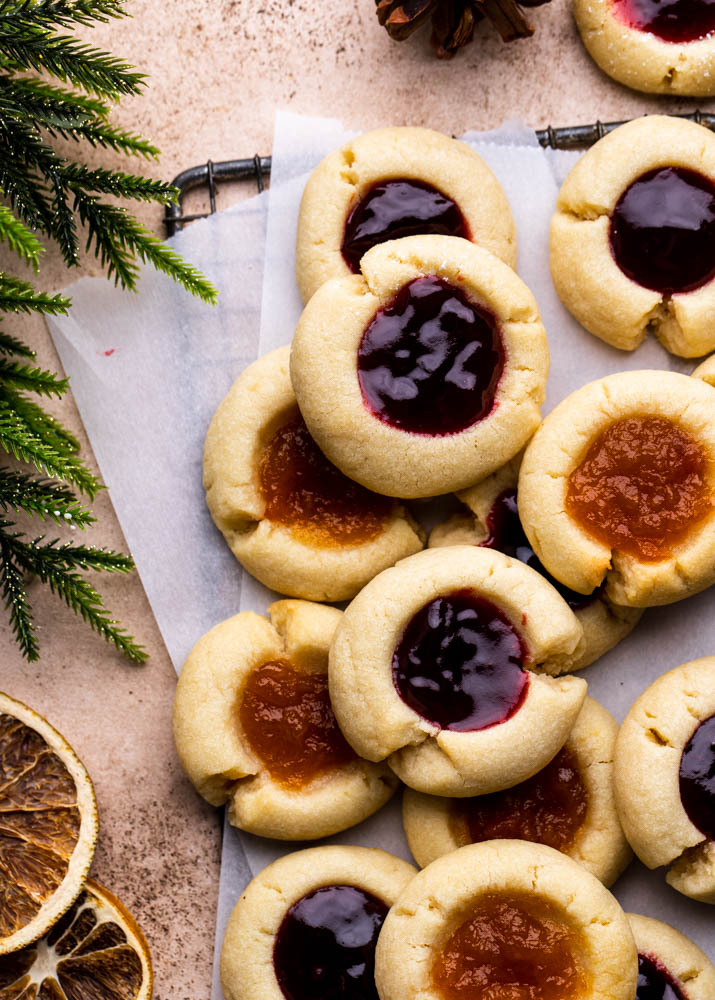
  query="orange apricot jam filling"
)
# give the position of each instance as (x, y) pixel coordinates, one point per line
(286, 716)
(549, 808)
(511, 947)
(304, 491)
(642, 487)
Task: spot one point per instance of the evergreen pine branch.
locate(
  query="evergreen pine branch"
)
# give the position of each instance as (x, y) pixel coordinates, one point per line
(43, 424)
(16, 600)
(81, 178)
(27, 195)
(19, 238)
(17, 295)
(29, 95)
(42, 498)
(61, 13)
(38, 380)
(12, 345)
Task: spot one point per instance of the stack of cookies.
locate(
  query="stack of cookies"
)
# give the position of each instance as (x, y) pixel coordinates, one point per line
(418, 368)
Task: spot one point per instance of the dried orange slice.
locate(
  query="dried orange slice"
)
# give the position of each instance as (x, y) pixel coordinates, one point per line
(95, 952)
(48, 825)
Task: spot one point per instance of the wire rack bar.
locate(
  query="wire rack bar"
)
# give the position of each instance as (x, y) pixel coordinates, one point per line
(258, 168)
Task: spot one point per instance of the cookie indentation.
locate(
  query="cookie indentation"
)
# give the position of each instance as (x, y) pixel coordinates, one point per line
(697, 778)
(672, 20)
(655, 982)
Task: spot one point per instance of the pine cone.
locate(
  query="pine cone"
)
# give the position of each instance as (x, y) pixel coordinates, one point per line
(453, 21)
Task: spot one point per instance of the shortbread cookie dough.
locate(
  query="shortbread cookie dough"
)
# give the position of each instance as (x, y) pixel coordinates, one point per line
(706, 370)
(439, 667)
(633, 236)
(650, 46)
(425, 373)
(665, 777)
(254, 727)
(619, 481)
(670, 965)
(289, 516)
(506, 918)
(493, 521)
(307, 925)
(569, 805)
(396, 182)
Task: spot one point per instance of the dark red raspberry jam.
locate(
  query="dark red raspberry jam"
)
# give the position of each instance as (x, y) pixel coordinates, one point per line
(507, 535)
(671, 20)
(655, 982)
(663, 230)
(398, 208)
(325, 945)
(431, 360)
(459, 663)
(697, 778)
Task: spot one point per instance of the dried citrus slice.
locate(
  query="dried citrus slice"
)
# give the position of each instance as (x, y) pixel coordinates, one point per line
(48, 825)
(94, 952)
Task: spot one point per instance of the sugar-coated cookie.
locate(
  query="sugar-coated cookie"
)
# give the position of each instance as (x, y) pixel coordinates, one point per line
(506, 918)
(425, 373)
(670, 965)
(493, 521)
(633, 236)
(254, 727)
(569, 805)
(395, 182)
(619, 481)
(290, 517)
(439, 666)
(307, 925)
(665, 777)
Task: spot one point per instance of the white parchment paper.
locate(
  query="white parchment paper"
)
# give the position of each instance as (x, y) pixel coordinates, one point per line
(149, 370)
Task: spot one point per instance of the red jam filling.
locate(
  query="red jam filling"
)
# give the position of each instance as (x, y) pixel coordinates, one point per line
(507, 535)
(288, 721)
(549, 808)
(697, 778)
(325, 945)
(641, 488)
(430, 361)
(663, 230)
(398, 208)
(511, 947)
(655, 982)
(671, 20)
(304, 491)
(459, 663)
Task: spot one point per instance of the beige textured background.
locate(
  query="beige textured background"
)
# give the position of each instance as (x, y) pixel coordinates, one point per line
(218, 69)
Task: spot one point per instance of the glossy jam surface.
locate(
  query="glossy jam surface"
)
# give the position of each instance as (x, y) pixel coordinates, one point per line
(459, 663)
(325, 946)
(507, 535)
(511, 947)
(642, 486)
(663, 230)
(655, 982)
(398, 208)
(430, 361)
(549, 808)
(288, 720)
(697, 778)
(303, 490)
(671, 20)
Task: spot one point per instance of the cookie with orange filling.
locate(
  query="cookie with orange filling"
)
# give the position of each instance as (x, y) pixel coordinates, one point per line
(506, 918)
(289, 516)
(618, 484)
(568, 805)
(254, 727)
(440, 667)
(665, 777)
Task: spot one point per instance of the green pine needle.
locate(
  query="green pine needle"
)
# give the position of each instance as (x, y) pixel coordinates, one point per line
(11, 345)
(16, 601)
(62, 13)
(19, 238)
(42, 498)
(17, 295)
(81, 178)
(38, 380)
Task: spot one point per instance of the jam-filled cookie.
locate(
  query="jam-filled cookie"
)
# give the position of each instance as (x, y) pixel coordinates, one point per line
(396, 182)
(494, 523)
(569, 805)
(290, 517)
(506, 919)
(619, 481)
(306, 927)
(665, 777)
(659, 48)
(706, 370)
(254, 727)
(670, 965)
(633, 236)
(425, 373)
(439, 666)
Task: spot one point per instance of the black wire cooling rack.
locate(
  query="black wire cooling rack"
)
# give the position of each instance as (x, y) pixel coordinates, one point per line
(257, 168)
